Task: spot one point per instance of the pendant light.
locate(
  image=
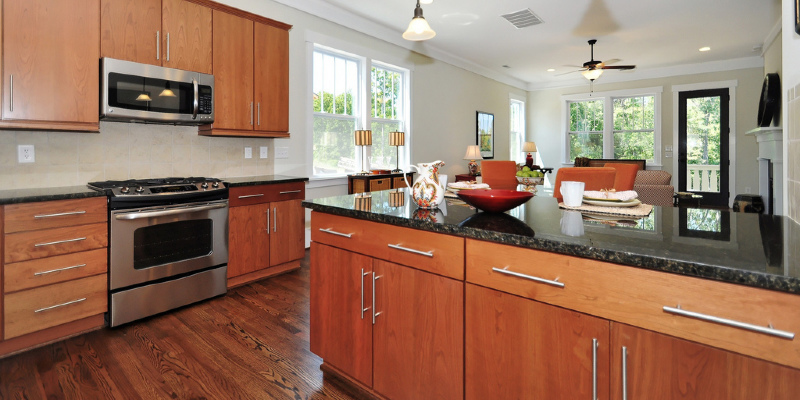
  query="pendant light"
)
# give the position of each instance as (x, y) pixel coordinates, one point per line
(418, 29)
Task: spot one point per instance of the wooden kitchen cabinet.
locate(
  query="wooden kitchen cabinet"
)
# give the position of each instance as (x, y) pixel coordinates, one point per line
(50, 68)
(664, 367)
(266, 225)
(523, 349)
(271, 87)
(233, 73)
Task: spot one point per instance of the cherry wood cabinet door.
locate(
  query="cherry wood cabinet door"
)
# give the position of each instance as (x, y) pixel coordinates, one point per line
(341, 331)
(50, 60)
(288, 232)
(418, 335)
(518, 348)
(186, 37)
(663, 367)
(248, 239)
(233, 72)
(130, 30)
(271, 78)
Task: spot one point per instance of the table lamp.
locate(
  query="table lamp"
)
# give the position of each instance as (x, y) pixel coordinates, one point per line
(363, 139)
(397, 139)
(529, 147)
(473, 153)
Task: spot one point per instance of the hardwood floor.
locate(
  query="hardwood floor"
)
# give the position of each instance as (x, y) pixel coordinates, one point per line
(252, 343)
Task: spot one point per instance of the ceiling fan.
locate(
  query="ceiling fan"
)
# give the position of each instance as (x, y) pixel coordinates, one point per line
(592, 69)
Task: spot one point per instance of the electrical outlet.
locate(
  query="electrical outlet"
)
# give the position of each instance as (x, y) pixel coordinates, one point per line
(264, 152)
(281, 152)
(25, 153)
(248, 152)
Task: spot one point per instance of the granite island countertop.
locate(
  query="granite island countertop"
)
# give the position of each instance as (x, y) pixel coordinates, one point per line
(749, 249)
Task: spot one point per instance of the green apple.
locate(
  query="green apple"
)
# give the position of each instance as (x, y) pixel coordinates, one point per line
(526, 169)
(520, 173)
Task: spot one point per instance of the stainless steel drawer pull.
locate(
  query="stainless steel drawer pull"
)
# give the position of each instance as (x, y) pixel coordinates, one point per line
(594, 369)
(291, 191)
(274, 219)
(267, 221)
(158, 45)
(729, 322)
(60, 305)
(58, 270)
(59, 214)
(167, 46)
(422, 253)
(59, 242)
(624, 373)
(347, 235)
(251, 195)
(11, 95)
(363, 309)
(374, 314)
(553, 282)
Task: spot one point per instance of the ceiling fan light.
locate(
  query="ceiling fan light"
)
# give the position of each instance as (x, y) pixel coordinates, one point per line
(592, 74)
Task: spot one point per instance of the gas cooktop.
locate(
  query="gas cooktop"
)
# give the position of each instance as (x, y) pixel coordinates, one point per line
(139, 192)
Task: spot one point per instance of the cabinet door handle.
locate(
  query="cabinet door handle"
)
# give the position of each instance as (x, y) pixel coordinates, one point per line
(167, 46)
(60, 305)
(729, 322)
(251, 113)
(374, 314)
(347, 235)
(259, 113)
(247, 196)
(422, 253)
(274, 219)
(267, 221)
(363, 310)
(158, 45)
(58, 214)
(58, 270)
(594, 369)
(59, 242)
(553, 282)
(291, 191)
(11, 94)
(624, 373)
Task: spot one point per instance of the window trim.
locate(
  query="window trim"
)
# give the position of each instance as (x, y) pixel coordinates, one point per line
(608, 123)
(512, 98)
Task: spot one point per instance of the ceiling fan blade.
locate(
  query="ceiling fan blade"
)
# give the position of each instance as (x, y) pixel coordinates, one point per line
(570, 72)
(623, 67)
(612, 61)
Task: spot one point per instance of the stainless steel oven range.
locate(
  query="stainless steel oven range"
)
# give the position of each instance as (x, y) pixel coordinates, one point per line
(168, 244)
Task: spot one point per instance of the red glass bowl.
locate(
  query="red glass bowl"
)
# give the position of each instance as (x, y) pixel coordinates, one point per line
(494, 200)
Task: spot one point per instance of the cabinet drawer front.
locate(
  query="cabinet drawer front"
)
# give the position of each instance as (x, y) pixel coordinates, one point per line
(23, 246)
(380, 184)
(47, 271)
(637, 297)
(248, 195)
(54, 214)
(36, 309)
(428, 251)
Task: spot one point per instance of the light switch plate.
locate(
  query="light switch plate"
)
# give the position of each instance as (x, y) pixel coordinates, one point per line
(25, 153)
(281, 152)
(264, 152)
(668, 154)
(248, 152)
(668, 147)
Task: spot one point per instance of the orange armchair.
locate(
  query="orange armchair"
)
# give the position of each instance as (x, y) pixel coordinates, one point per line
(596, 178)
(626, 175)
(499, 174)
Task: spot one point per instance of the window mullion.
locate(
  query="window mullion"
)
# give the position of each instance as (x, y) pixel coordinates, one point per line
(608, 127)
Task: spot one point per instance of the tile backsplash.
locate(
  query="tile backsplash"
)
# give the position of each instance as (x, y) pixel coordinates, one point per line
(126, 151)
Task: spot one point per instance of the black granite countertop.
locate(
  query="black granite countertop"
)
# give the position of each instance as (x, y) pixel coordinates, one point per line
(263, 180)
(749, 249)
(46, 194)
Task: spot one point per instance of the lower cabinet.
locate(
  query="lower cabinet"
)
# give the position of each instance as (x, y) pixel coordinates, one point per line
(395, 329)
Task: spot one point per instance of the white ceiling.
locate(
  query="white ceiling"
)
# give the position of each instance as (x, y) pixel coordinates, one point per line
(656, 35)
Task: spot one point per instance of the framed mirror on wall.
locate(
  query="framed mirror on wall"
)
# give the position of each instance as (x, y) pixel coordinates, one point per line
(484, 134)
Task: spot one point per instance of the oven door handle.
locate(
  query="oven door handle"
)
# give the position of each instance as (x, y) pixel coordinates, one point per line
(162, 213)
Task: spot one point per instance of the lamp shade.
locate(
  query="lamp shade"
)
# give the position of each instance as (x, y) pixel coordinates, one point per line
(592, 74)
(529, 147)
(364, 138)
(397, 138)
(473, 153)
(418, 29)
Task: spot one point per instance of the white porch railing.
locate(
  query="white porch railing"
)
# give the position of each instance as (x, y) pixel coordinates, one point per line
(702, 178)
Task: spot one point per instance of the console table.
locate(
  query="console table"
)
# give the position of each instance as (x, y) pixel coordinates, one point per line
(374, 182)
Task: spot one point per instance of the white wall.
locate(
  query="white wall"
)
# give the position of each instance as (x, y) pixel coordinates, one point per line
(790, 82)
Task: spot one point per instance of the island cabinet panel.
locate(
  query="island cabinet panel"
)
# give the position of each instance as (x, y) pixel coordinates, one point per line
(341, 310)
(50, 68)
(418, 341)
(638, 297)
(664, 367)
(186, 40)
(131, 30)
(523, 349)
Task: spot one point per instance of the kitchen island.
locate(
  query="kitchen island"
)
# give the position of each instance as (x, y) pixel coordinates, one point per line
(455, 303)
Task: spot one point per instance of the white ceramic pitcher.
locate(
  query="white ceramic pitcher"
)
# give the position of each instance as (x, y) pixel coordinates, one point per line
(427, 191)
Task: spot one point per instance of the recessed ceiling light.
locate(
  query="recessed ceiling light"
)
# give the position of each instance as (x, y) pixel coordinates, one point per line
(551, 70)
(705, 48)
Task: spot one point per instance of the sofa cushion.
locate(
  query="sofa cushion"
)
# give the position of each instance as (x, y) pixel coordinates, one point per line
(653, 177)
(594, 177)
(625, 177)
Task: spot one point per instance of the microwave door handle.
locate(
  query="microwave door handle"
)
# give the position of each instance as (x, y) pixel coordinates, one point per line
(195, 102)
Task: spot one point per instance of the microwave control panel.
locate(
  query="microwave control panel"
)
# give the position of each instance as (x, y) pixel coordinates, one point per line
(204, 100)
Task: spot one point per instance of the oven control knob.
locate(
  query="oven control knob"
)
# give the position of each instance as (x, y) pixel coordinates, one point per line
(125, 190)
(139, 189)
(215, 185)
(204, 185)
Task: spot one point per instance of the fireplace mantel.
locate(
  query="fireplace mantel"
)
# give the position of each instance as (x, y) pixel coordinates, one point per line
(770, 166)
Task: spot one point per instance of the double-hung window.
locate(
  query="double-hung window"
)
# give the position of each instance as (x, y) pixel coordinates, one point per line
(516, 131)
(352, 92)
(621, 125)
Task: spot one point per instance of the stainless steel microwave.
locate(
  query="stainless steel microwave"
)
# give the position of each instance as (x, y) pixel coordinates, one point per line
(135, 92)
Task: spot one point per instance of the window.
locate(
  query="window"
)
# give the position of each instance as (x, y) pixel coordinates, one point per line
(620, 125)
(517, 131)
(347, 98)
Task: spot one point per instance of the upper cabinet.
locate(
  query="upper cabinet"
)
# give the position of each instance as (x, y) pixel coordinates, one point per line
(251, 77)
(50, 64)
(171, 33)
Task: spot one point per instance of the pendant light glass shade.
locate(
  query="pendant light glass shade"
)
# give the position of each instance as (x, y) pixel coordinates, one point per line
(592, 74)
(418, 29)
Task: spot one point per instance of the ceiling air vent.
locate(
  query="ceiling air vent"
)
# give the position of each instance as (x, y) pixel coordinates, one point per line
(523, 19)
